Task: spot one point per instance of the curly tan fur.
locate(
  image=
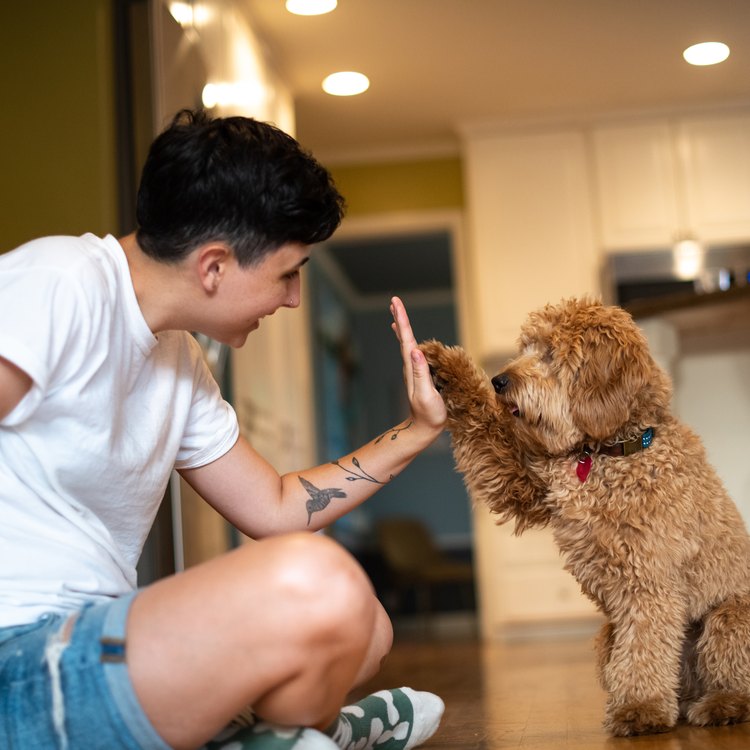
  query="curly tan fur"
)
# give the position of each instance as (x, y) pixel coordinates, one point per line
(652, 538)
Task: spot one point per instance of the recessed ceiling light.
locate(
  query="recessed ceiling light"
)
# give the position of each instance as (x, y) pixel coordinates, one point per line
(706, 53)
(346, 83)
(310, 7)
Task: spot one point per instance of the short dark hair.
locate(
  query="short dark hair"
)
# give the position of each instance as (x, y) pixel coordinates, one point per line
(235, 180)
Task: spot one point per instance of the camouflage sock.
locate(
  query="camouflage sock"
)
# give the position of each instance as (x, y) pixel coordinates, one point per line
(263, 736)
(397, 719)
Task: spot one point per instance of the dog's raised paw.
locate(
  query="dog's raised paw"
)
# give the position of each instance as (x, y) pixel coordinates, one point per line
(720, 708)
(447, 363)
(639, 718)
(436, 355)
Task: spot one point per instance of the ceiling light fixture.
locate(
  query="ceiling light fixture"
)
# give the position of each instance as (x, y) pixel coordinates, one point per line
(688, 256)
(310, 7)
(233, 94)
(182, 13)
(706, 53)
(345, 83)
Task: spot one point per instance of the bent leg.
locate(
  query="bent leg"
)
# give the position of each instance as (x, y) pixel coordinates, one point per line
(723, 665)
(381, 641)
(285, 624)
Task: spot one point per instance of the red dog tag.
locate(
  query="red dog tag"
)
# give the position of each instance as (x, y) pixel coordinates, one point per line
(584, 466)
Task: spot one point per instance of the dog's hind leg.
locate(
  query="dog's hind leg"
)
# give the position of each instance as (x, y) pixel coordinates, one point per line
(723, 665)
(691, 688)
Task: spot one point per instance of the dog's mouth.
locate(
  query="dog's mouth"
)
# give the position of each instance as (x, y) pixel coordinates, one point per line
(511, 406)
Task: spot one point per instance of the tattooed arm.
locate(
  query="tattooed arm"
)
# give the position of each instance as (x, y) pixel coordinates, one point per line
(247, 490)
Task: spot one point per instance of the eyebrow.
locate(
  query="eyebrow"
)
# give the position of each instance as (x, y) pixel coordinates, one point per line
(300, 264)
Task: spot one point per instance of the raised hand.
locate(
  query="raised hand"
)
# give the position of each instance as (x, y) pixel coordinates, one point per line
(427, 407)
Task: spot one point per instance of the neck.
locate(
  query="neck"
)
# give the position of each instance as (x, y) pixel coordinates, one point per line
(159, 287)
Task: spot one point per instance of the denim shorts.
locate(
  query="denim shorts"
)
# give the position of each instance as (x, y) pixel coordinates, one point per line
(63, 690)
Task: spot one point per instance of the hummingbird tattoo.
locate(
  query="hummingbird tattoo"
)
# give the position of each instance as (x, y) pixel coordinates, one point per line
(319, 499)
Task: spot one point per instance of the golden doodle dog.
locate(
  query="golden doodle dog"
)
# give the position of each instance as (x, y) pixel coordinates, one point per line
(578, 435)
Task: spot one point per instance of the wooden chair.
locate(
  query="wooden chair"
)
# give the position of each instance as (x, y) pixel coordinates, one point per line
(416, 563)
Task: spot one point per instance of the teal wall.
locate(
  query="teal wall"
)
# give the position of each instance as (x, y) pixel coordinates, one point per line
(360, 394)
(429, 488)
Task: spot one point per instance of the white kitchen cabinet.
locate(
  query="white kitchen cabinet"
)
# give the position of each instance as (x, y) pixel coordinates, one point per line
(658, 181)
(523, 587)
(716, 157)
(531, 230)
(636, 185)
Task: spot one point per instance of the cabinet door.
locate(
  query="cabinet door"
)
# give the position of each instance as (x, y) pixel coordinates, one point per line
(636, 182)
(716, 157)
(521, 579)
(531, 230)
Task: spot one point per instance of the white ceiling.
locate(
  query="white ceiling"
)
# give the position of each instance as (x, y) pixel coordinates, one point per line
(439, 66)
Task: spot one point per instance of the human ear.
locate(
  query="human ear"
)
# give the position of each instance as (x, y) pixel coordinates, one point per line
(212, 263)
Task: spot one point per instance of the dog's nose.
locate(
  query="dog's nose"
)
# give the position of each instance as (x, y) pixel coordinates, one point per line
(500, 382)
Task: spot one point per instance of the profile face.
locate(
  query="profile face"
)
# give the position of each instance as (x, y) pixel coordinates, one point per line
(247, 294)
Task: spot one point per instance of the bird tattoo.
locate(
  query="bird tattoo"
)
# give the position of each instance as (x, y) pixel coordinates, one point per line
(319, 499)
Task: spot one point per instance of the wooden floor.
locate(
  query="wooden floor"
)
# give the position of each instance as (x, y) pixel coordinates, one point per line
(536, 695)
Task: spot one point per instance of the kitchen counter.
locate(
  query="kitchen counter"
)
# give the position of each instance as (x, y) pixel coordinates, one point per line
(702, 321)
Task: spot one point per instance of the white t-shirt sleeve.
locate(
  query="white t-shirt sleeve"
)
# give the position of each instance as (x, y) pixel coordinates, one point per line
(42, 311)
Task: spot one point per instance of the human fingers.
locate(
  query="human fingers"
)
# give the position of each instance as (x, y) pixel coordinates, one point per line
(402, 325)
(402, 328)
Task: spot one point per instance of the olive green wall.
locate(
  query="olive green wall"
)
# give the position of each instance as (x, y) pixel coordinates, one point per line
(401, 186)
(57, 126)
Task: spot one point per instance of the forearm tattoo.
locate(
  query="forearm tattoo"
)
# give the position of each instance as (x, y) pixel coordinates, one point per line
(394, 432)
(359, 473)
(319, 499)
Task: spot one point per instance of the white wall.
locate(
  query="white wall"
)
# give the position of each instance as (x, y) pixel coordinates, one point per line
(712, 395)
(707, 354)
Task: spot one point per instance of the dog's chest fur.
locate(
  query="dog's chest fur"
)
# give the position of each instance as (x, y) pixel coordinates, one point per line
(639, 521)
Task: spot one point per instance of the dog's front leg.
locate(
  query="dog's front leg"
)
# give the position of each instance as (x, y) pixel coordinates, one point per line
(603, 646)
(641, 670)
(484, 447)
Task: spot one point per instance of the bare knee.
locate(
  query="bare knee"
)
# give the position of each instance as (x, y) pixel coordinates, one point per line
(321, 575)
(336, 631)
(350, 606)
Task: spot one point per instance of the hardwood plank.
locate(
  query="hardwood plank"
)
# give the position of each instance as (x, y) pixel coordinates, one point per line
(532, 695)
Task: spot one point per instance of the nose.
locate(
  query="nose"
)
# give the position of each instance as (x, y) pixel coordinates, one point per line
(500, 382)
(294, 292)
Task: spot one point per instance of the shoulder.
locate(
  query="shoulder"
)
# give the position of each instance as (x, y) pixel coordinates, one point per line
(73, 260)
(53, 251)
(60, 289)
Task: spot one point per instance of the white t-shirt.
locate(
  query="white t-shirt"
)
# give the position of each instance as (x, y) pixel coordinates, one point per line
(86, 455)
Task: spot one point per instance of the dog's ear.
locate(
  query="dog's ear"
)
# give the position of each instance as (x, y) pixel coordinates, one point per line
(605, 387)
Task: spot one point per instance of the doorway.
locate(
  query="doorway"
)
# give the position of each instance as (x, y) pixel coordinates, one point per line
(359, 388)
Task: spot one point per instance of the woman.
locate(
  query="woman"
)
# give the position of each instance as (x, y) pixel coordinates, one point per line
(103, 391)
